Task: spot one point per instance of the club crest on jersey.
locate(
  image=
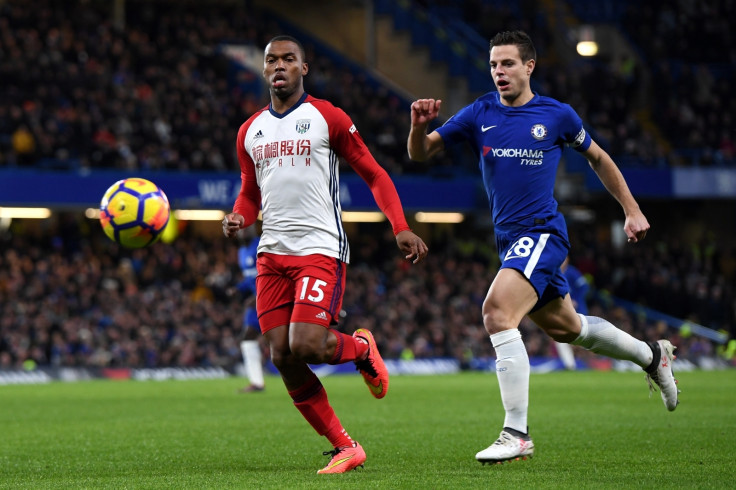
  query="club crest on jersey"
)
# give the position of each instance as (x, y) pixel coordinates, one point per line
(539, 131)
(302, 125)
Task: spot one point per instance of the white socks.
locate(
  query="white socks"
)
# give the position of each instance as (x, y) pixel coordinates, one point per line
(252, 361)
(512, 361)
(512, 369)
(599, 336)
(566, 355)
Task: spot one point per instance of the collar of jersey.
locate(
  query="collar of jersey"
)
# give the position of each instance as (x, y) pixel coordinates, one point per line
(291, 109)
(498, 102)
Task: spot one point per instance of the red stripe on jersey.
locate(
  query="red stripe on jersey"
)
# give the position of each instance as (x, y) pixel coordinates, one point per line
(248, 202)
(348, 143)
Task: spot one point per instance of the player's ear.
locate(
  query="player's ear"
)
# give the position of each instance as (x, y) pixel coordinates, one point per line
(530, 66)
(305, 68)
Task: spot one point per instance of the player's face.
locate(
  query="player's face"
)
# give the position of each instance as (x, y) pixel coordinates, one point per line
(509, 73)
(283, 68)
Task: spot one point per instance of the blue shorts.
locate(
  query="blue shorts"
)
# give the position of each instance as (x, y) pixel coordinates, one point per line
(250, 320)
(537, 249)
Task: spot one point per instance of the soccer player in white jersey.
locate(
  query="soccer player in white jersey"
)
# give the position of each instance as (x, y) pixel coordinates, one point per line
(518, 137)
(288, 155)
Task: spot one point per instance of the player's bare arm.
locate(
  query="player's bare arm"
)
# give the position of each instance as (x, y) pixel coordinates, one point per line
(413, 246)
(636, 224)
(232, 223)
(421, 145)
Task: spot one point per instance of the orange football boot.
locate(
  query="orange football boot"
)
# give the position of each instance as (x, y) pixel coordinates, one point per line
(344, 459)
(372, 367)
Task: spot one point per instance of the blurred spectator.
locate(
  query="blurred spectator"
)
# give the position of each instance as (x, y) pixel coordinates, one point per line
(80, 300)
(158, 95)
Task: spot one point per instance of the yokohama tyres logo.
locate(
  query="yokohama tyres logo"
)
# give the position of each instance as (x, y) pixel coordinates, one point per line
(517, 153)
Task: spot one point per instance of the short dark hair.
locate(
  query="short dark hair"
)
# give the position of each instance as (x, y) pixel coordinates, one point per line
(284, 37)
(519, 39)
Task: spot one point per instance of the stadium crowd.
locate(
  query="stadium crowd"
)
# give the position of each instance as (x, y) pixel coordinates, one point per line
(70, 297)
(689, 49)
(159, 95)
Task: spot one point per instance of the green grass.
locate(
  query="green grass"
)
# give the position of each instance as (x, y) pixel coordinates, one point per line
(591, 430)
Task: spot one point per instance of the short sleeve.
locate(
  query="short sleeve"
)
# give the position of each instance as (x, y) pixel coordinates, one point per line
(572, 130)
(459, 127)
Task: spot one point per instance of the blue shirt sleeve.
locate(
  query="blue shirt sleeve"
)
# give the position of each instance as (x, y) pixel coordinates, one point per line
(572, 130)
(459, 127)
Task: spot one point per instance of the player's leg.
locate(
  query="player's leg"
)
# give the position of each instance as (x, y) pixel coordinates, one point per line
(559, 319)
(567, 356)
(321, 285)
(310, 398)
(529, 261)
(276, 293)
(509, 298)
(251, 350)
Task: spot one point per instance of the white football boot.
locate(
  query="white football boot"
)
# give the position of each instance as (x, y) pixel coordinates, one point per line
(507, 447)
(661, 373)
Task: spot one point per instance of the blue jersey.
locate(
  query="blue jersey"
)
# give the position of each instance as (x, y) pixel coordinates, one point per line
(247, 255)
(519, 149)
(579, 288)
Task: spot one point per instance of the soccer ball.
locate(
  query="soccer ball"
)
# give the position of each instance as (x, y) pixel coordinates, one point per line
(134, 212)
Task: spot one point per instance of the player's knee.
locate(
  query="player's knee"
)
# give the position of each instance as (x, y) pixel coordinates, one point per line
(279, 359)
(301, 348)
(309, 349)
(496, 320)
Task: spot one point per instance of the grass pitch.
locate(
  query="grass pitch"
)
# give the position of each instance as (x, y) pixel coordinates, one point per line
(591, 430)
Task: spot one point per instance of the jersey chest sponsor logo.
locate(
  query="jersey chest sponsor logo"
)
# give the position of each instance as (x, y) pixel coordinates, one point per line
(526, 155)
(289, 150)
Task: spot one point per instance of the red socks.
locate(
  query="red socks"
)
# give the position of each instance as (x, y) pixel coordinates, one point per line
(311, 400)
(348, 348)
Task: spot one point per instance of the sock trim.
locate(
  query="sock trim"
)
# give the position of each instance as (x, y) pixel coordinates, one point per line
(656, 355)
(518, 433)
(504, 337)
(311, 388)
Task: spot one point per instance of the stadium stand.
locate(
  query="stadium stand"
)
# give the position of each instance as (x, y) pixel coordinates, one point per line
(158, 94)
(688, 48)
(69, 297)
(81, 92)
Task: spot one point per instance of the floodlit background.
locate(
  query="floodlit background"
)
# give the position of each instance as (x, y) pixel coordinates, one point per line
(93, 91)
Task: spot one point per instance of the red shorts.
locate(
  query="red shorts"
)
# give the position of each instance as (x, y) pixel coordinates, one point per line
(291, 289)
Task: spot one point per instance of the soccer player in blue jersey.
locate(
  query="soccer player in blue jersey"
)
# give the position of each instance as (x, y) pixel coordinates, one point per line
(579, 288)
(249, 345)
(519, 136)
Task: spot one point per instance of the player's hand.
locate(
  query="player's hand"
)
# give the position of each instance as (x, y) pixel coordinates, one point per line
(413, 246)
(424, 110)
(636, 227)
(232, 223)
